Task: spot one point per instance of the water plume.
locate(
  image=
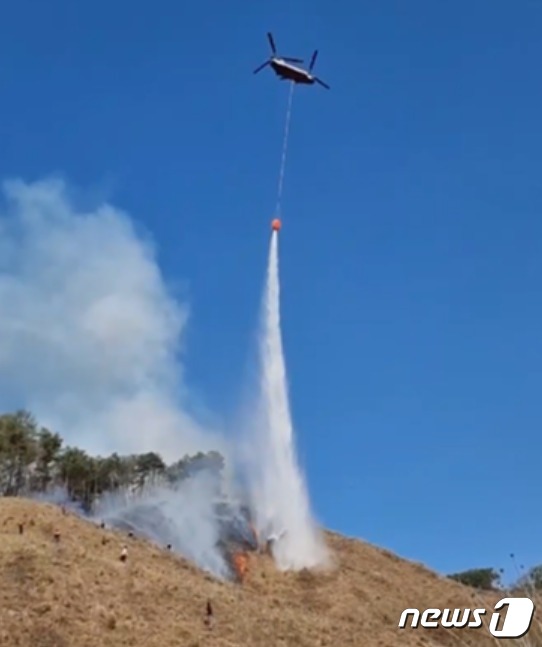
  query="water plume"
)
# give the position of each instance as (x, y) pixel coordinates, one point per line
(279, 492)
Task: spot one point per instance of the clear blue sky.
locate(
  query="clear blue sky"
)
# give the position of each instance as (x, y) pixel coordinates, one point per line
(411, 265)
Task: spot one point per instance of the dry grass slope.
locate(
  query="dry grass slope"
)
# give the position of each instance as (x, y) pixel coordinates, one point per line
(76, 592)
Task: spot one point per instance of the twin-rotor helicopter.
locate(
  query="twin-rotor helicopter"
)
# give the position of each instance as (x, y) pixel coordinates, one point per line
(283, 68)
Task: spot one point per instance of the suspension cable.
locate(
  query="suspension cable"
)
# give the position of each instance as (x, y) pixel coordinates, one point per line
(284, 150)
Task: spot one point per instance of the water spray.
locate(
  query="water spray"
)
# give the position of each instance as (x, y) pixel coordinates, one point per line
(283, 508)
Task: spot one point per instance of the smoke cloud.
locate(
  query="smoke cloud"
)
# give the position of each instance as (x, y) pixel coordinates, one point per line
(90, 342)
(90, 335)
(184, 517)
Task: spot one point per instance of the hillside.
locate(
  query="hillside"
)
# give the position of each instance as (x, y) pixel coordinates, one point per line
(76, 592)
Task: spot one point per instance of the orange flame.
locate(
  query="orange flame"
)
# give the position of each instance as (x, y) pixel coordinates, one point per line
(240, 563)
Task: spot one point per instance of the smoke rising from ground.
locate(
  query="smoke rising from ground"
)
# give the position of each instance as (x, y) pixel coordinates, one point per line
(183, 517)
(281, 499)
(90, 341)
(89, 334)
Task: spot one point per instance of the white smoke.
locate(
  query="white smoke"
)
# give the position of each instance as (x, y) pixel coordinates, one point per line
(89, 333)
(281, 500)
(184, 517)
(90, 341)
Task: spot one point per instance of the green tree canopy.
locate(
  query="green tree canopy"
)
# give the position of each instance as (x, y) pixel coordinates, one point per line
(479, 578)
(34, 460)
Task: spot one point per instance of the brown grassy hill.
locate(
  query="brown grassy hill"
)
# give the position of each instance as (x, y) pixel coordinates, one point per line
(75, 592)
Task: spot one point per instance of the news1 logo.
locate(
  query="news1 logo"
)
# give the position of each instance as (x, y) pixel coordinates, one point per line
(518, 617)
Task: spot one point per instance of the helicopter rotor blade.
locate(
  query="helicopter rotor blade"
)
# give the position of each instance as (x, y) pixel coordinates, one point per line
(325, 85)
(313, 60)
(271, 42)
(292, 60)
(258, 69)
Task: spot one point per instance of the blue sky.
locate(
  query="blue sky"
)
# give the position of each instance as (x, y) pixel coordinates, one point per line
(410, 254)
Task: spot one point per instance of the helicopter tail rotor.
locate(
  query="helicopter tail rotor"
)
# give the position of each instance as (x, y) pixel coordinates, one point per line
(325, 85)
(274, 51)
(316, 79)
(258, 69)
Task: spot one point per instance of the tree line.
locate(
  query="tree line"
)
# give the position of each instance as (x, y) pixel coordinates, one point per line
(35, 460)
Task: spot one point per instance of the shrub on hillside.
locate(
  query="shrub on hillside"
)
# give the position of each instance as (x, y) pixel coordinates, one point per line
(479, 578)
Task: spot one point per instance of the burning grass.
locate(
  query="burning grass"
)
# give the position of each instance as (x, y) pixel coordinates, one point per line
(76, 591)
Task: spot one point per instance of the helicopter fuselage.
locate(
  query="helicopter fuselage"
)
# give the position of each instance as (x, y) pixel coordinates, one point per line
(290, 72)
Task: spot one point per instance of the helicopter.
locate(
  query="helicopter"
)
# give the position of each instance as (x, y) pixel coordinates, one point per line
(282, 68)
